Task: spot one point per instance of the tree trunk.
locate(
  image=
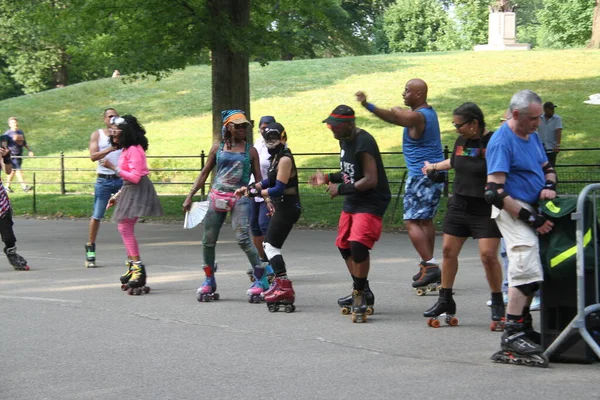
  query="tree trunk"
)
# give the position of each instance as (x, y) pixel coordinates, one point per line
(230, 69)
(595, 40)
(61, 75)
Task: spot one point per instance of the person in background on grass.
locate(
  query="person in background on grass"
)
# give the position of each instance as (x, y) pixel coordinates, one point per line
(363, 183)
(468, 213)
(550, 132)
(16, 144)
(421, 141)
(6, 222)
(107, 182)
(519, 176)
(137, 198)
(234, 160)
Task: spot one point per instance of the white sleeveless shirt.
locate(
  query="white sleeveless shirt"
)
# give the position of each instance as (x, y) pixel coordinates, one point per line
(113, 156)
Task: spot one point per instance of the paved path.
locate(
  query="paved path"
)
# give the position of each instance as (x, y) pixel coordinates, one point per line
(70, 333)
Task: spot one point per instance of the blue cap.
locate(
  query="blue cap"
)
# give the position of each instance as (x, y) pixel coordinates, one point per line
(267, 119)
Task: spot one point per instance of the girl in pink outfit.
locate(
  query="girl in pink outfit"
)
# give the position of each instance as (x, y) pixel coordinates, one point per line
(137, 198)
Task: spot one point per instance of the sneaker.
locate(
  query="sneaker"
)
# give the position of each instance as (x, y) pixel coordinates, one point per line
(9, 190)
(535, 304)
(504, 298)
(27, 188)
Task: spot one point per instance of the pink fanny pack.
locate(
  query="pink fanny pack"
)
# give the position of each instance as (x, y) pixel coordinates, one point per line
(222, 201)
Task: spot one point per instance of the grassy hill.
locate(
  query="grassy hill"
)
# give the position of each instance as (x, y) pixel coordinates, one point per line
(177, 115)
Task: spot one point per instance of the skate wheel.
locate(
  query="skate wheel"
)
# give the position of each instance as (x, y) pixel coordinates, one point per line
(146, 289)
(363, 318)
(345, 311)
(252, 279)
(289, 308)
(435, 323)
(130, 291)
(354, 318)
(420, 292)
(276, 307)
(370, 310)
(216, 296)
(200, 298)
(271, 308)
(452, 321)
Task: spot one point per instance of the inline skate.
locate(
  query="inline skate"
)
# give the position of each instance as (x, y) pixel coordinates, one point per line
(444, 305)
(208, 291)
(518, 349)
(17, 262)
(346, 302)
(90, 255)
(281, 293)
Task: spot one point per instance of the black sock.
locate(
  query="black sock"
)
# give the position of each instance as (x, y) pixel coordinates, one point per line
(359, 283)
(497, 298)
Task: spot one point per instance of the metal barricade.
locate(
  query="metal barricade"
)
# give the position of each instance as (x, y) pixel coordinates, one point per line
(578, 324)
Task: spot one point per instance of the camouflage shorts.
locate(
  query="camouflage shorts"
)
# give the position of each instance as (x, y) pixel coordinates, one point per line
(421, 197)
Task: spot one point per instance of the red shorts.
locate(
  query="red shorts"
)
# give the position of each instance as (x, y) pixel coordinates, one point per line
(361, 227)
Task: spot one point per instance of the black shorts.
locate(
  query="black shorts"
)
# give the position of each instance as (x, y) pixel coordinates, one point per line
(470, 219)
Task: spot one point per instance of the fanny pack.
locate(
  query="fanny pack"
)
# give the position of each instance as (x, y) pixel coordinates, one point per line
(221, 201)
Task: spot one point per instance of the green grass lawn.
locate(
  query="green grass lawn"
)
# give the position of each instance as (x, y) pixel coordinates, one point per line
(177, 115)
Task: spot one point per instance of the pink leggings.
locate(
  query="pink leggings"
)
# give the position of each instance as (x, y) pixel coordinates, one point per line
(126, 227)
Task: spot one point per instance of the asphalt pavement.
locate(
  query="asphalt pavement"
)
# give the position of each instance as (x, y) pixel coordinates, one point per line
(70, 333)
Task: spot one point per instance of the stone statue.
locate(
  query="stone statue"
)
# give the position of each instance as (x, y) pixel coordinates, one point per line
(503, 6)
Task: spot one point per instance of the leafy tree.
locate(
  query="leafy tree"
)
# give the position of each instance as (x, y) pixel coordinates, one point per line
(566, 23)
(472, 21)
(415, 25)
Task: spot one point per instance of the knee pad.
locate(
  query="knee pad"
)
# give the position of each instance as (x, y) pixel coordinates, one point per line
(270, 250)
(360, 252)
(346, 253)
(529, 289)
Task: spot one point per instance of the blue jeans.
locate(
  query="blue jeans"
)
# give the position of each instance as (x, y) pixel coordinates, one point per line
(240, 222)
(103, 189)
(259, 220)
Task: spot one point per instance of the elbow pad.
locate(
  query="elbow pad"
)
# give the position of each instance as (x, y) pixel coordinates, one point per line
(277, 190)
(492, 196)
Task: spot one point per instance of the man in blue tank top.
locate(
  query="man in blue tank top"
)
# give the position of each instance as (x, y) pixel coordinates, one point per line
(421, 141)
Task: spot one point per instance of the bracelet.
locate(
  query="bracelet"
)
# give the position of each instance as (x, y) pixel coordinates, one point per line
(371, 107)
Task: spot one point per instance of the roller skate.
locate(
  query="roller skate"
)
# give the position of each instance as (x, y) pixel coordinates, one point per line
(346, 302)
(445, 305)
(281, 293)
(268, 270)
(259, 285)
(429, 280)
(126, 276)
(136, 285)
(359, 306)
(518, 349)
(418, 274)
(208, 291)
(17, 262)
(498, 317)
(90, 255)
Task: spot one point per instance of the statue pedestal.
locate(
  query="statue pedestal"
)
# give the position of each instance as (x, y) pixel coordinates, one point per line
(502, 33)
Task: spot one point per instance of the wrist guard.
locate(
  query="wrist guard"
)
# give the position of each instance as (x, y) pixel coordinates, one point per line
(346, 188)
(252, 190)
(550, 185)
(531, 219)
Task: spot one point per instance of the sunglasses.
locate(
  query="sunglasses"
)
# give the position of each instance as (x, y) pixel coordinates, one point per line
(240, 126)
(458, 126)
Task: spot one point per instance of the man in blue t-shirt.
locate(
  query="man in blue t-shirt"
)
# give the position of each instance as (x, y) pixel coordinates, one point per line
(16, 142)
(421, 141)
(519, 176)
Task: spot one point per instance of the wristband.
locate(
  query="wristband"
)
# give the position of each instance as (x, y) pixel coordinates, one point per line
(371, 107)
(550, 185)
(346, 188)
(533, 220)
(327, 179)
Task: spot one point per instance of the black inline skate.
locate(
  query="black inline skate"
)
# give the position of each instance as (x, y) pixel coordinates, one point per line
(428, 280)
(518, 349)
(90, 255)
(346, 302)
(17, 262)
(444, 305)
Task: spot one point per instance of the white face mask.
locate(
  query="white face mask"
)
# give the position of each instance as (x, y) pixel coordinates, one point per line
(271, 144)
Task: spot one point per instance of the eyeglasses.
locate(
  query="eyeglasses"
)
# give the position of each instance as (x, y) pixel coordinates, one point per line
(240, 126)
(458, 126)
